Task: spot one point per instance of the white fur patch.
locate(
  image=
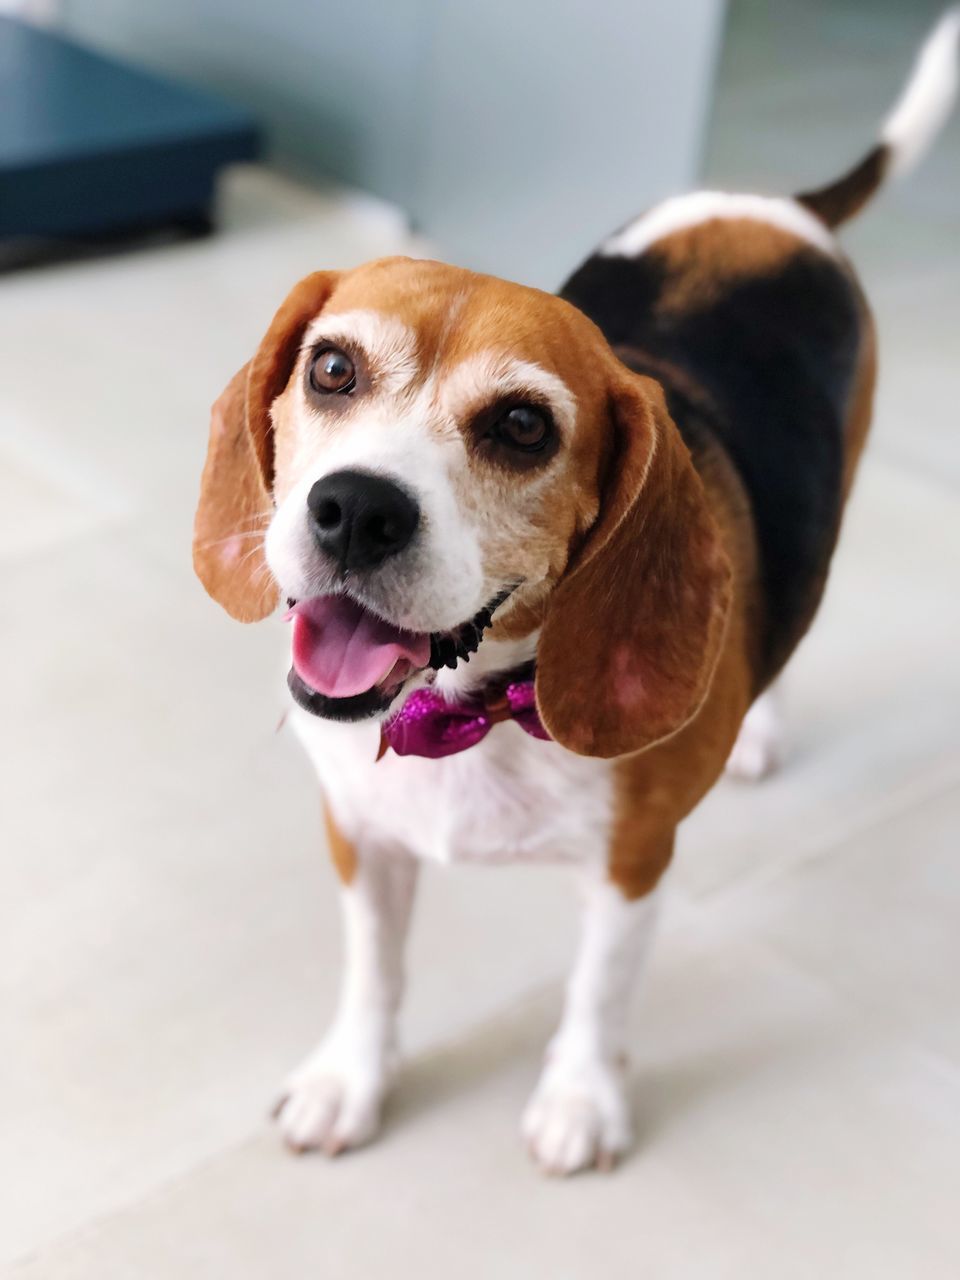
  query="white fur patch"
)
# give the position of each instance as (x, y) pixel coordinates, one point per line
(490, 375)
(682, 212)
(928, 97)
(510, 798)
(492, 657)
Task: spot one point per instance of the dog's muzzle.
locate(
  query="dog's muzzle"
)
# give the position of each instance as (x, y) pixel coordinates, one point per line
(349, 663)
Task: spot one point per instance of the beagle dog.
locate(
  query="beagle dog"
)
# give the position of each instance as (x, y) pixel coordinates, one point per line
(539, 556)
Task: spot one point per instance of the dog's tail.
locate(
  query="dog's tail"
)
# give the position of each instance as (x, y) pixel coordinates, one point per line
(908, 131)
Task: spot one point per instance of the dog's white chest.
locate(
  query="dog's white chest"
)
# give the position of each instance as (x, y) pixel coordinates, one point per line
(510, 797)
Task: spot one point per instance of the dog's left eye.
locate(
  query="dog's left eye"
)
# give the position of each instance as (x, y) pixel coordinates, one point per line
(524, 427)
(332, 371)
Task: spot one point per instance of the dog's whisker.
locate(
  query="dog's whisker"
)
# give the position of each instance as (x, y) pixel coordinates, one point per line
(250, 553)
(230, 537)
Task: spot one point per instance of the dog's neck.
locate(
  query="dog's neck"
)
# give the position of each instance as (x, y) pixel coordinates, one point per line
(493, 658)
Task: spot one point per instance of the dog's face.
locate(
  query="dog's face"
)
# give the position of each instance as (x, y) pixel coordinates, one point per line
(437, 448)
(429, 447)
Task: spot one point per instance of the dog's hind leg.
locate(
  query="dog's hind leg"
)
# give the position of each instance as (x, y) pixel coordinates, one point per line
(758, 750)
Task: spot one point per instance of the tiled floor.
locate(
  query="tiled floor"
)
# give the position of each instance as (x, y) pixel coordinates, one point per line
(168, 923)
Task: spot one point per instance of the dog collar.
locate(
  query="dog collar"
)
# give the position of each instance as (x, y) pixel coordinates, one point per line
(428, 724)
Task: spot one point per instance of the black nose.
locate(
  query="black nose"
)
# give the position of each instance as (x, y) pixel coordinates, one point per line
(360, 519)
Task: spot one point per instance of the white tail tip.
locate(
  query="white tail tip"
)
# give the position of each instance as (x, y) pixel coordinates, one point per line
(922, 109)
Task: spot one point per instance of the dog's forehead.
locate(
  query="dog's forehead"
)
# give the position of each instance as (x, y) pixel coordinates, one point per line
(453, 314)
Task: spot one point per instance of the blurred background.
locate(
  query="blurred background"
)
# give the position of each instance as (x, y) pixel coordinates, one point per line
(168, 923)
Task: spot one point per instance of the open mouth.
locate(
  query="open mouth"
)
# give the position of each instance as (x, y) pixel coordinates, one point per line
(349, 664)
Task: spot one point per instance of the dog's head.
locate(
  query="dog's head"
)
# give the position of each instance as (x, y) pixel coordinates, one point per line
(413, 447)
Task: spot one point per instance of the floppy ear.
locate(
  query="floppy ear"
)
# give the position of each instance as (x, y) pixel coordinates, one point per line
(236, 491)
(633, 630)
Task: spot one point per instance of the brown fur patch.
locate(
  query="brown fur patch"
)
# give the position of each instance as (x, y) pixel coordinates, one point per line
(342, 853)
(236, 490)
(712, 256)
(846, 196)
(655, 789)
(634, 628)
(233, 512)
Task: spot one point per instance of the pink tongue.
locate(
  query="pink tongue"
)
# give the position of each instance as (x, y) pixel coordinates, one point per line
(340, 649)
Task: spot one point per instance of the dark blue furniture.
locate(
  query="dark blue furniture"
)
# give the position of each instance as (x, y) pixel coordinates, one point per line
(89, 145)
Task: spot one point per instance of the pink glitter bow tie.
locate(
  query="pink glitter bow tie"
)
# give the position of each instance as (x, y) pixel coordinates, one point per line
(428, 725)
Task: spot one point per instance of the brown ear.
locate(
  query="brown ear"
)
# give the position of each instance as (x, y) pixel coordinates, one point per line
(236, 491)
(633, 629)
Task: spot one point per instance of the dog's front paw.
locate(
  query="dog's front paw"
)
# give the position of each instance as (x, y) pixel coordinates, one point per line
(578, 1117)
(332, 1102)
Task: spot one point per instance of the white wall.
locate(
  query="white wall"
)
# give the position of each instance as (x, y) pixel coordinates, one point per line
(515, 132)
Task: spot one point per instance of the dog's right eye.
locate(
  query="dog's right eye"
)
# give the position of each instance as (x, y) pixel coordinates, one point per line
(332, 371)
